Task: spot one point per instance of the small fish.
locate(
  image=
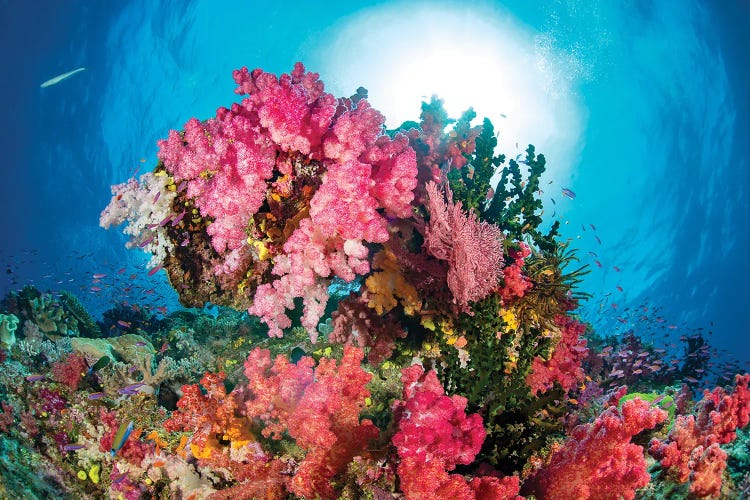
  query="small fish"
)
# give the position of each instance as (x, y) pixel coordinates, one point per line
(99, 276)
(95, 289)
(597, 239)
(156, 198)
(155, 270)
(34, 377)
(619, 288)
(140, 344)
(73, 447)
(120, 478)
(617, 269)
(100, 363)
(164, 348)
(593, 254)
(96, 395)
(159, 463)
(59, 78)
(122, 323)
(568, 193)
(122, 434)
(593, 227)
(178, 218)
(598, 264)
(121, 270)
(146, 242)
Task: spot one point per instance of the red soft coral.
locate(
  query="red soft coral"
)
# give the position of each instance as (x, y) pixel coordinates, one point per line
(598, 461)
(691, 451)
(319, 410)
(564, 365)
(70, 371)
(434, 435)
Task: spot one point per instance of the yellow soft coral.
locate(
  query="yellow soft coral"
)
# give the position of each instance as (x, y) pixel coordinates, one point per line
(388, 287)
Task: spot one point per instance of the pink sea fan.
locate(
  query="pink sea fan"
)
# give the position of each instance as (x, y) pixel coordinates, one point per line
(473, 249)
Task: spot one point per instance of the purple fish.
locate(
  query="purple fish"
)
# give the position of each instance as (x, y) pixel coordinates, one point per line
(34, 378)
(145, 242)
(96, 395)
(156, 198)
(178, 218)
(132, 389)
(568, 193)
(73, 447)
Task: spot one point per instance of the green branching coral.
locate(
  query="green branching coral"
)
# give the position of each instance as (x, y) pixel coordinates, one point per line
(494, 382)
(516, 206)
(471, 183)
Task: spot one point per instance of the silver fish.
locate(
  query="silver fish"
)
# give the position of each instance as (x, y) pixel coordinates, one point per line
(59, 78)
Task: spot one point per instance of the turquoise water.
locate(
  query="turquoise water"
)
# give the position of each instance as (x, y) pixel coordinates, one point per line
(643, 117)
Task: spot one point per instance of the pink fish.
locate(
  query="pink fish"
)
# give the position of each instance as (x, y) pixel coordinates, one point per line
(599, 264)
(95, 289)
(616, 268)
(155, 270)
(99, 276)
(123, 323)
(490, 194)
(619, 288)
(157, 196)
(121, 270)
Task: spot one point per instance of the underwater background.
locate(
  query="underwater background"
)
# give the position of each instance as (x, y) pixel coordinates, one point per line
(640, 108)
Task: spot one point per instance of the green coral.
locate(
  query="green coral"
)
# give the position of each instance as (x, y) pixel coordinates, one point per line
(494, 382)
(516, 206)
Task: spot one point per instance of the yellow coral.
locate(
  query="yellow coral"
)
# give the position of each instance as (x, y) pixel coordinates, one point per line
(510, 320)
(388, 286)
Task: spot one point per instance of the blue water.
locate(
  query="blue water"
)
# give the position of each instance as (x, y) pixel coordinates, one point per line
(659, 161)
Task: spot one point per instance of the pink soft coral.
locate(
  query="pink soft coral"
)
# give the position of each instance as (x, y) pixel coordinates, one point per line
(598, 461)
(691, 452)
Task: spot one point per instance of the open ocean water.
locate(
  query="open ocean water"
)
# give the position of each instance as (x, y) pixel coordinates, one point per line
(642, 109)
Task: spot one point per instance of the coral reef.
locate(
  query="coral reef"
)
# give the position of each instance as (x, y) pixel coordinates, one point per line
(379, 314)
